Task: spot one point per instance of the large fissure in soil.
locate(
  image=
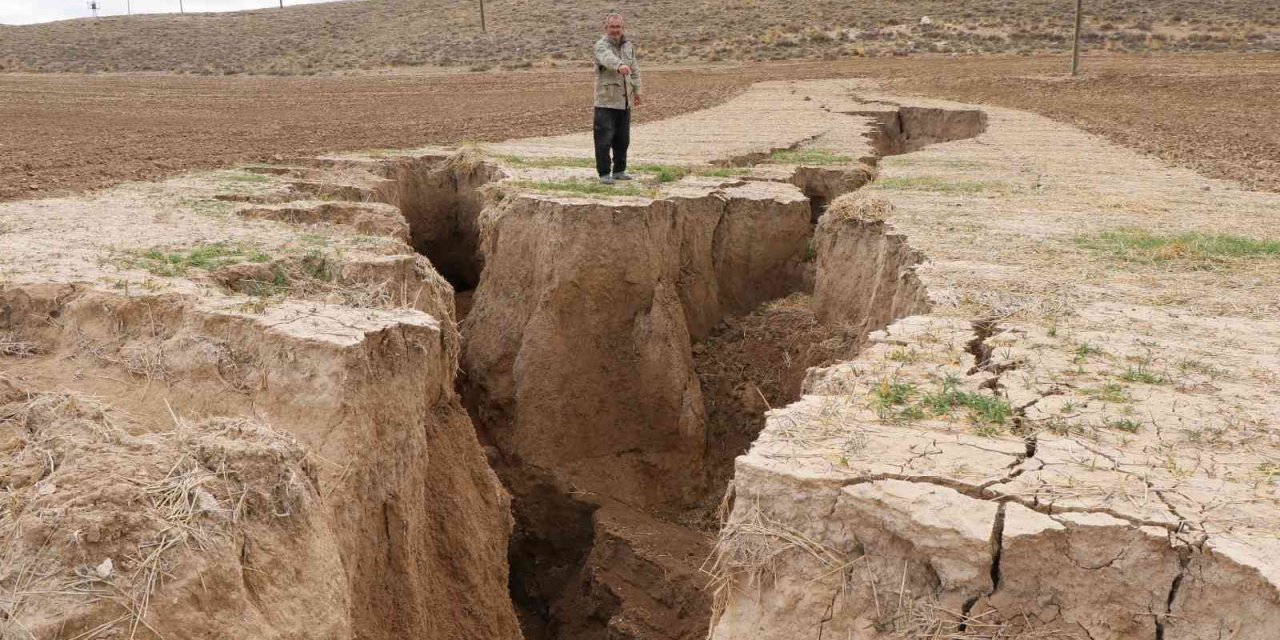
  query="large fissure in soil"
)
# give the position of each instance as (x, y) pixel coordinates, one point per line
(619, 354)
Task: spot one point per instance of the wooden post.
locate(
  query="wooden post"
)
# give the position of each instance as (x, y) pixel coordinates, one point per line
(483, 25)
(1075, 52)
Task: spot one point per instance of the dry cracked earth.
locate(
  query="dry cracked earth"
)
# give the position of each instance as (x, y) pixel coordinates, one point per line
(839, 363)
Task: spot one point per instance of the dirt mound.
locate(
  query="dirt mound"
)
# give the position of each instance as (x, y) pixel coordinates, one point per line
(103, 523)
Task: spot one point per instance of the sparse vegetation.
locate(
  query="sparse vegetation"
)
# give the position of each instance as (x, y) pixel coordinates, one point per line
(1110, 392)
(1191, 249)
(904, 355)
(811, 157)
(1143, 375)
(1084, 350)
(983, 409)
(584, 187)
(178, 262)
(547, 163)
(901, 401)
(243, 177)
(544, 33)
(1127, 425)
(938, 185)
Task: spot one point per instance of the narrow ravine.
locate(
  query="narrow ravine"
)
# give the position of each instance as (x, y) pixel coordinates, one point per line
(618, 355)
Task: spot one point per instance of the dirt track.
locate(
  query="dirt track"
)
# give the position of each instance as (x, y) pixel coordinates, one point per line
(73, 132)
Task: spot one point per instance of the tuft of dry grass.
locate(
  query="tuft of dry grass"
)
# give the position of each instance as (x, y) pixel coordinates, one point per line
(859, 207)
(751, 546)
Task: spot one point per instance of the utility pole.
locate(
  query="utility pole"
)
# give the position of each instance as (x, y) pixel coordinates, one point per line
(1075, 52)
(281, 4)
(180, 9)
(128, 7)
(483, 25)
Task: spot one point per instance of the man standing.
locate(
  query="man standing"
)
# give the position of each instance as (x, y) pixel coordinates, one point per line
(617, 91)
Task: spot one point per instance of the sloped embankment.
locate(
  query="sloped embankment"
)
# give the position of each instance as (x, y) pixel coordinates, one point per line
(247, 461)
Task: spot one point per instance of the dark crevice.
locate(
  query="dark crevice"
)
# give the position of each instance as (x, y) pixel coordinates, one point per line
(983, 329)
(1184, 561)
(997, 549)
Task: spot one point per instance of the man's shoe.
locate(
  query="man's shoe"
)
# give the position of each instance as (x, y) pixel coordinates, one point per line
(606, 179)
(621, 175)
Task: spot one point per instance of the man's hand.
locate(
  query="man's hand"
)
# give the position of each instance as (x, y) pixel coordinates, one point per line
(624, 70)
(637, 99)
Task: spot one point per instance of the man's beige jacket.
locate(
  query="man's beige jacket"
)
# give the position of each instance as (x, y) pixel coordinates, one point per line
(614, 90)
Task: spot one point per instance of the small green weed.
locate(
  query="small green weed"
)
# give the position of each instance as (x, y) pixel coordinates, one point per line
(1084, 350)
(1128, 425)
(664, 174)
(889, 393)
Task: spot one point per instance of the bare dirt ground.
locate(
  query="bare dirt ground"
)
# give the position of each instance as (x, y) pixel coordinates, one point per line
(378, 34)
(1064, 422)
(73, 132)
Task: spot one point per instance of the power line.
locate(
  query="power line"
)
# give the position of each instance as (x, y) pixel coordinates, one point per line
(1075, 49)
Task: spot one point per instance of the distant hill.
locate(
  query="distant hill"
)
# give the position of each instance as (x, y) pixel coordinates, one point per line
(370, 34)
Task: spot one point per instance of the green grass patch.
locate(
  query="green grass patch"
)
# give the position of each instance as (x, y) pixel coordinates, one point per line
(938, 185)
(812, 157)
(983, 409)
(903, 401)
(1200, 249)
(665, 173)
(584, 187)
(207, 257)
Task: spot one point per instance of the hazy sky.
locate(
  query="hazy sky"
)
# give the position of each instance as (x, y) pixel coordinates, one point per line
(29, 11)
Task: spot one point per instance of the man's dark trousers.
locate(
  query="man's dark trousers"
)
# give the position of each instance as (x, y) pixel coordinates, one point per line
(613, 133)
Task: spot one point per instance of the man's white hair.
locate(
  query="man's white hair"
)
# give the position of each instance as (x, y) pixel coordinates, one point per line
(611, 15)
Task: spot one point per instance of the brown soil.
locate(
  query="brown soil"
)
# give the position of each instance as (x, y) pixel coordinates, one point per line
(1212, 112)
(752, 364)
(375, 34)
